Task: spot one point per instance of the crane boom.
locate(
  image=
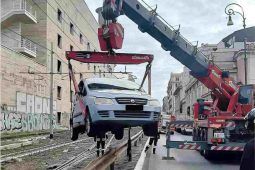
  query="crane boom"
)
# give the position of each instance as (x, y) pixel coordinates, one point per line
(170, 38)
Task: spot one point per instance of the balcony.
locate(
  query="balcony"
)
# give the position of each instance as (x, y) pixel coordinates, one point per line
(17, 11)
(26, 47)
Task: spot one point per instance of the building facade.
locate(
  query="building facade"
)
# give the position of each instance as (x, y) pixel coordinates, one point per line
(32, 31)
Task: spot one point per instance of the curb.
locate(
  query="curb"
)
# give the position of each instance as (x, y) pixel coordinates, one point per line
(140, 162)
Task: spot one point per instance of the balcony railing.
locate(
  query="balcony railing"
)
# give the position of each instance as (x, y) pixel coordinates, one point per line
(25, 43)
(27, 47)
(23, 5)
(17, 7)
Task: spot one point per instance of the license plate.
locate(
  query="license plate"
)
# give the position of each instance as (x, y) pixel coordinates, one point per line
(219, 135)
(134, 107)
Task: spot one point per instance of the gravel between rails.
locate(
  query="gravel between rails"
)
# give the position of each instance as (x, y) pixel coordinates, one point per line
(52, 159)
(59, 138)
(135, 151)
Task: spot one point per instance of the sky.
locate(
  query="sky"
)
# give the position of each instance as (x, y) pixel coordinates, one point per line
(200, 20)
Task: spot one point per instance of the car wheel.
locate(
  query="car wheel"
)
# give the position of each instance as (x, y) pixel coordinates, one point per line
(89, 127)
(119, 134)
(207, 154)
(150, 130)
(87, 124)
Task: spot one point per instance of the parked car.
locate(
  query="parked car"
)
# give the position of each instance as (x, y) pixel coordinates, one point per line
(112, 105)
(165, 120)
(186, 130)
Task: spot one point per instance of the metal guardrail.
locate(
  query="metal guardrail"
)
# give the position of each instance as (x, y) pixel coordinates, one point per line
(112, 155)
(23, 5)
(25, 43)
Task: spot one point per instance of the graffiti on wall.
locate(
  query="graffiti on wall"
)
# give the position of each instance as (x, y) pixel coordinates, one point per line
(27, 103)
(32, 113)
(17, 121)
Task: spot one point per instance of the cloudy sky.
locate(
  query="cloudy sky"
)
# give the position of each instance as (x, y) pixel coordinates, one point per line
(200, 20)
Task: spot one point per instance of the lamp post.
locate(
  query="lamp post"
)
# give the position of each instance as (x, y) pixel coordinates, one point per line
(230, 11)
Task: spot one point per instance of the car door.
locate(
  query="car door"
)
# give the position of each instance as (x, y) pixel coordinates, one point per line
(82, 93)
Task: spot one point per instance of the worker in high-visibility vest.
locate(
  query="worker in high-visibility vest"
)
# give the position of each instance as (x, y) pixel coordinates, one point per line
(100, 142)
(154, 140)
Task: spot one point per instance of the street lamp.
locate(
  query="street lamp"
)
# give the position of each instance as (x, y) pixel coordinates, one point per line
(230, 11)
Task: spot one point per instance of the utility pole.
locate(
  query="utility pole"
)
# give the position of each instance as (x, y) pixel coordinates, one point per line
(149, 82)
(230, 11)
(51, 92)
(245, 60)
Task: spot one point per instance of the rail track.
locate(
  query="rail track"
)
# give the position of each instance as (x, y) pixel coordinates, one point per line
(82, 156)
(73, 155)
(114, 152)
(29, 152)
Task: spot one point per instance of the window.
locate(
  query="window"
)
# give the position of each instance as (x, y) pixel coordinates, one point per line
(59, 118)
(88, 46)
(71, 96)
(99, 73)
(82, 89)
(95, 69)
(60, 16)
(81, 38)
(188, 111)
(71, 28)
(71, 48)
(59, 41)
(59, 92)
(59, 67)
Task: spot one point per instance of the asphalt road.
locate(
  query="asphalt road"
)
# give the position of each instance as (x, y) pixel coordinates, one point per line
(188, 159)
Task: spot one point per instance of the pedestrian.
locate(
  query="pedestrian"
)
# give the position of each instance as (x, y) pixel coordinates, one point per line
(100, 142)
(153, 140)
(248, 159)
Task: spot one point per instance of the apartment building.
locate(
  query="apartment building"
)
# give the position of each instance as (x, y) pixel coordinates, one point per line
(173, 84)
(32, 31)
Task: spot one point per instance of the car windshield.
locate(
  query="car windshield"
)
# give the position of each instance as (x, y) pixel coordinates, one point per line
(112, 84)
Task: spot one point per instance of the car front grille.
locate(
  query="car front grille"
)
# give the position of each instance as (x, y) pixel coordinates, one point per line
(133, 114)
(103, 113)
(138, 101)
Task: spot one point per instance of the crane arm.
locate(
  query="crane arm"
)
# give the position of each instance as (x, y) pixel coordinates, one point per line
(170, 38)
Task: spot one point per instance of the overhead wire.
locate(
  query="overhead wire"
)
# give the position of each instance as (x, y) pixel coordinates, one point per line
(32, 42)
(65, 62)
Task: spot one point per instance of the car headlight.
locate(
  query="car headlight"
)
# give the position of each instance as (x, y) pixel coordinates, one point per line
(153, 103)
(103, 101)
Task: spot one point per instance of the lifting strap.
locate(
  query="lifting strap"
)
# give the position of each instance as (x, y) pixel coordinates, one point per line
(147, 71)
(76, 89)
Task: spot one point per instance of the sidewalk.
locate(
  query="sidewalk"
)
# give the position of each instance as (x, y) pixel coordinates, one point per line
(183, 160)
